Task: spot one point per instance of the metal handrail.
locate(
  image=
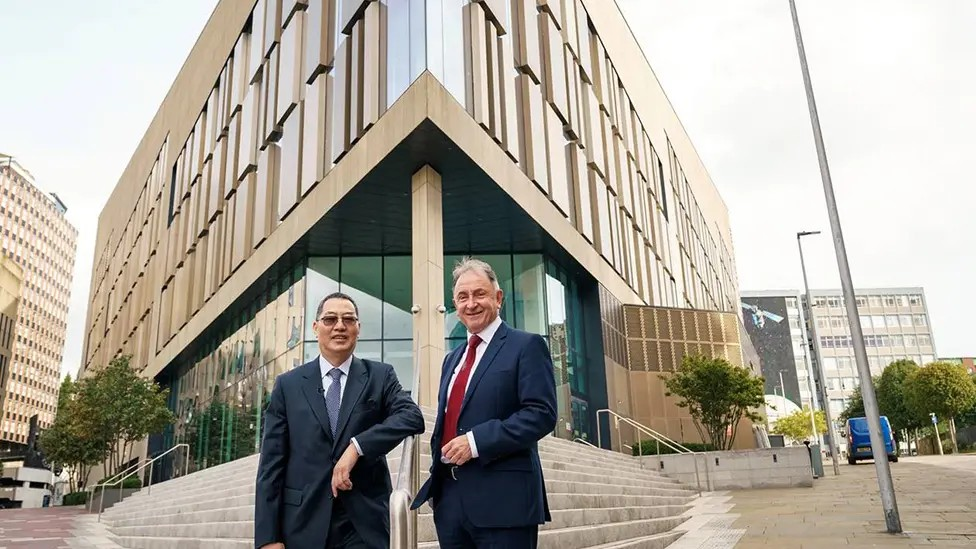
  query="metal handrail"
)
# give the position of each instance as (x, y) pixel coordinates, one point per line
(675, 446)
(586, 442)
(112, 479)
(403, 521)
(150, 463)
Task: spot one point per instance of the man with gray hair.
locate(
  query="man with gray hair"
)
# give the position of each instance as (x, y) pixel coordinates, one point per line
(497, 399)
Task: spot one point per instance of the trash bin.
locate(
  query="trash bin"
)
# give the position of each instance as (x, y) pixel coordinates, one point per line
(816, 460)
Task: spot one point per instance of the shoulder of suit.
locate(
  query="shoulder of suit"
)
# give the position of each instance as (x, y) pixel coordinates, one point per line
(373, 366)
(294, 372)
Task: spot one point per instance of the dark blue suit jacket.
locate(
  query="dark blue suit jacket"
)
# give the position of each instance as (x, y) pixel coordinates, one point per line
(510, 404)
(293, 499)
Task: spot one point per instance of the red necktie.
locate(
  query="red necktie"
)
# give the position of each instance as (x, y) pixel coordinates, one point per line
(457, 392)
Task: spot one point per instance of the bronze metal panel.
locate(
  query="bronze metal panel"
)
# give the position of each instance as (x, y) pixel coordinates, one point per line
(339, 115)
(508, 98)
(320, 38)
(244, 209)
(476, 64)
(532, 133)
(528, 56)
(290, 8)
(264, 203)
(352, 11)
(314, 130)
(272, 87)
(585, 52)
(291, 163)
(554, 8)
(574, 126)
(247, 157)
(215, 198)
(554, 81)
(290, 68)
(556, 147)
(233, 150)
(374, 68)
(355, 97)
(581, 187)
(272, 25)
(493, 78)
(570, 32)
(255, 53)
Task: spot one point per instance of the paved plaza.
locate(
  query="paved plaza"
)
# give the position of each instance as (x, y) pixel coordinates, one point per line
(936, 498)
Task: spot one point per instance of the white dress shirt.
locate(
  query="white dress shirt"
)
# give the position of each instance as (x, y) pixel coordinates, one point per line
(324, 368)
(486, 335)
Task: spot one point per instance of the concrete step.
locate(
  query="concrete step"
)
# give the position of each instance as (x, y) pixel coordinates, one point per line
(580, 537)
(598, 498)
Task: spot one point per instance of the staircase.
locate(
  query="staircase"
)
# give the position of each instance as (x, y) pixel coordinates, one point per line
(599, 499)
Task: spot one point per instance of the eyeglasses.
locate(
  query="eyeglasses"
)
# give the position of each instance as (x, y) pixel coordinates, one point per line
(331, 320)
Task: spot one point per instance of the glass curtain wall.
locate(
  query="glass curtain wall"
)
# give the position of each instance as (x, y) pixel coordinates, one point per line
(382, 288)
(219, 397)
(540, 297)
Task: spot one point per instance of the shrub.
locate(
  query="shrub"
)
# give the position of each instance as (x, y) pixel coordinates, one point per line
(650, 448)
(75, 498)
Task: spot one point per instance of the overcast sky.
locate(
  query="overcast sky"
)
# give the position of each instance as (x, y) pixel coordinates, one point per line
(894, 82)
(896, 94)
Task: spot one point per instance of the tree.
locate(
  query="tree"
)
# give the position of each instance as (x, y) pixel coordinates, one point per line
(891, 397)
(943, 389)
(796, 426)
(73, 441)
(855, 406)
(131, 407)
(717, 395)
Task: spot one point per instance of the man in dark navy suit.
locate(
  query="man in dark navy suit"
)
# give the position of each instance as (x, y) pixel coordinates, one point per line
(497, 399)
(323, 479)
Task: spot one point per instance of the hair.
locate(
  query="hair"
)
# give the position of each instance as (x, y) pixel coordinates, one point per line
(468, 263)
(336, 295)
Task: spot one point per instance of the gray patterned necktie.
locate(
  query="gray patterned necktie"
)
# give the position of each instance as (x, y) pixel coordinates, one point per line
(333, 399)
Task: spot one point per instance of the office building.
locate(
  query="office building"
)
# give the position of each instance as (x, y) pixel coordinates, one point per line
(11, 277)
(308, 147)
(38, 238)
(895, 322)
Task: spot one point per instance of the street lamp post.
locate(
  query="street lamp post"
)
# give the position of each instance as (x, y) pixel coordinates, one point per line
(828, 414)
(810, 383)
(885, 484)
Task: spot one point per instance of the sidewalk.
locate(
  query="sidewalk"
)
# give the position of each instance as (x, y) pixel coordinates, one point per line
(52, 528)
(936, 498)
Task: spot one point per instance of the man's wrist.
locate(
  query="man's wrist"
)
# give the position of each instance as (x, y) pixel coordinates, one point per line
(355, 445)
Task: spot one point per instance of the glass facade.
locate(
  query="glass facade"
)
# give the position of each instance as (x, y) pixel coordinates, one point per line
(220, 394)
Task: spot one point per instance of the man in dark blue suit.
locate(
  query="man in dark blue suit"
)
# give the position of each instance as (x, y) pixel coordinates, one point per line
(323, 479)
(497, 399)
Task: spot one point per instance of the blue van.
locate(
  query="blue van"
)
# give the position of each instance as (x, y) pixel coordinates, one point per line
(859, 441)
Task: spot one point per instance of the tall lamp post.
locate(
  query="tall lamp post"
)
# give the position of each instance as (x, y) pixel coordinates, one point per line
(818, 359)
(808, 361)
(885, 484)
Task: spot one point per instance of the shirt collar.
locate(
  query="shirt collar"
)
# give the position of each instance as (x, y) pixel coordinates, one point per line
(489, 331)
(325, 366)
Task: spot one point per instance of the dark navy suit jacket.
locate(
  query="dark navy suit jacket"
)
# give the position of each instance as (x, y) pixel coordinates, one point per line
(510, 404)
(293, 499)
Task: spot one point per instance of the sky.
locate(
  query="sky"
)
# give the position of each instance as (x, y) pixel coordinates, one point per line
(81, 82)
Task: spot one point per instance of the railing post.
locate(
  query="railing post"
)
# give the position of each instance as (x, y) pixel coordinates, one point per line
(101, 503)
(640, 448)
(149, 488)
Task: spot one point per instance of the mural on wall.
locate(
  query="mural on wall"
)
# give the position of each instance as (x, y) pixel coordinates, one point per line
(767, 323)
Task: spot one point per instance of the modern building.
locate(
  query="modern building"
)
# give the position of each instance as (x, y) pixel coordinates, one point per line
(11, 277)
(307, 147)
(41, 241)
(969, 363)
(895, 322)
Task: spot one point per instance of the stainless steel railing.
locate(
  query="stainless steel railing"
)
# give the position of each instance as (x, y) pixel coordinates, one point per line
(659, 439)
(133, 471)
(403, 521)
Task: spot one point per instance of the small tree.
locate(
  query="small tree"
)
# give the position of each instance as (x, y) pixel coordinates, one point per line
(131, 407)
(73, 441)
(855, 406)
(796, 426)
(891, 397)
(941, 388)
(717, 395)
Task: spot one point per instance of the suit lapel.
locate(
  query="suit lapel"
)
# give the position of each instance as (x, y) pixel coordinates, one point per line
(490, 353)
(312, 388)
(355, 385)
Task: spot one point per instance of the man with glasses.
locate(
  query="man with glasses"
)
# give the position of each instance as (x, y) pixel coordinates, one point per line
(323, 479)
